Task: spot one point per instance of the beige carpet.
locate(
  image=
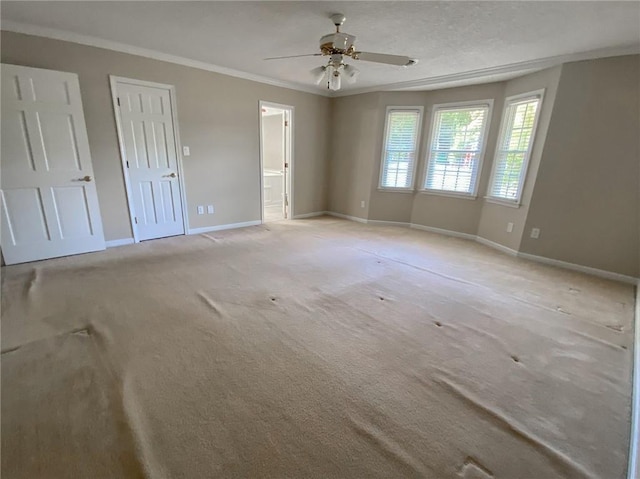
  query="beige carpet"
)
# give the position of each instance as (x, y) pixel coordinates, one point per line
(313, 349)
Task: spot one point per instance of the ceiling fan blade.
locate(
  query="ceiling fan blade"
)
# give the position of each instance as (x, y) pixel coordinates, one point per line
(398, 60)
(295, 56)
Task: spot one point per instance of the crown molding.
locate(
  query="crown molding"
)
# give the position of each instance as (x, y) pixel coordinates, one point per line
(441, 81)
(445, 81)
(64, 35)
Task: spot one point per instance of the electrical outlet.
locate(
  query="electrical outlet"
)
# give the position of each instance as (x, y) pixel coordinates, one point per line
(535, 233)
(210, 209)
(362, 204)
(185, 151)
(200, 210)
(509, 227)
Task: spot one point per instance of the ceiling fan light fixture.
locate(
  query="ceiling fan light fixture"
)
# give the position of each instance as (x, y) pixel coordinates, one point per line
(351, 73)
(318, 74)
(338, 46)
(333, 82)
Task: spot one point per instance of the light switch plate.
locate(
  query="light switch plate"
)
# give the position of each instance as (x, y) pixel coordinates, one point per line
(200, 210)
(210, 209)
(186, 151)
(535, 233)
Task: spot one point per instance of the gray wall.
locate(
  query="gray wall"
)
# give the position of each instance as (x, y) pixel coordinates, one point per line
(586, 196)
(355, 132)
(218, 118)
(494, 217)
(582, 187)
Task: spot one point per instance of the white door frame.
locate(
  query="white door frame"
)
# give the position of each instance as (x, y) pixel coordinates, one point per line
(289, 148)
(113, 81)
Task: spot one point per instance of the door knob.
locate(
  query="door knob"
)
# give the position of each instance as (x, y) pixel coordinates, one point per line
(170, 175)
(85, 178)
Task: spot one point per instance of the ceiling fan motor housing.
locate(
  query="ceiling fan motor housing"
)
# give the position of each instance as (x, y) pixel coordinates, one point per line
(337, 43)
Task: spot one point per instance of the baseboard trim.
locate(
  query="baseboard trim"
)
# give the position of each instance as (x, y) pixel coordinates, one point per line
(119, 242)
(309, 215)
(432, 229)
(634, 446)
(347, 217)
(504, 249)
(388, 223)
(229, 226)
(498, 246)
(582, 269)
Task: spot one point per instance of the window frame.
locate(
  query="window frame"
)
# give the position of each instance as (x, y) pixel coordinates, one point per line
(508, 101)
(411, 187)
(462, 105)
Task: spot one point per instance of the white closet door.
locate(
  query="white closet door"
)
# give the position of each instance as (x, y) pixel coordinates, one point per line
(49, 201)
(149, 147)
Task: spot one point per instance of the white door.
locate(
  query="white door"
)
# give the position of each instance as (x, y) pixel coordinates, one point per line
(49, 201)
(150, 158)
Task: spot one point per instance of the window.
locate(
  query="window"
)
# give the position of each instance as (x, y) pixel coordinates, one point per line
(400, 147)
(458, 136)
(514, 146)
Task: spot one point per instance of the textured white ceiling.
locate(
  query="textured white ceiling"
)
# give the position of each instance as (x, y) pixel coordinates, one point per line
(448, 38)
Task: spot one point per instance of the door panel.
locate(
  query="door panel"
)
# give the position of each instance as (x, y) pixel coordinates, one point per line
(149, 147)
(25, 216)
(44, 90)
(166, 199)
(147, 207)
(74, 219)
(14, 125)
(59, 141)
(49, 200)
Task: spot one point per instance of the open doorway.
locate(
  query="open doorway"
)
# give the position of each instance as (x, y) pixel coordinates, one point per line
(276, 127)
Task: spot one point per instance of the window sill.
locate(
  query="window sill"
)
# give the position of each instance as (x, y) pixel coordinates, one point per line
(450, 194)
(396, 190)
(498, 201)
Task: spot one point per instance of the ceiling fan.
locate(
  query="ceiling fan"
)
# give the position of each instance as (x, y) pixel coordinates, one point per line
(339, 45)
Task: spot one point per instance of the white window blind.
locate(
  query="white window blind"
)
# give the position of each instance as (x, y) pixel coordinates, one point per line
(514, 147)
(457, 143)
(400, 147)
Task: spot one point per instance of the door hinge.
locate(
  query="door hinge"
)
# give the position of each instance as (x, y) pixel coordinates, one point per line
(286, 165)
(118, 101)
(127, 164)
(286, 123)
(135, 219)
